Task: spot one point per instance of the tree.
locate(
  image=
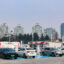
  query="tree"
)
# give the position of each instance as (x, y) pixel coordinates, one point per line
(35, 37)
(30, 38)
(4, 39)
(19, 37)
(27, 38)
(47, 38)
(42, 38)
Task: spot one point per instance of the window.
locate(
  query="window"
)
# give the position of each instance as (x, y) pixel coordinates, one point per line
(47, 48)
(22, 49)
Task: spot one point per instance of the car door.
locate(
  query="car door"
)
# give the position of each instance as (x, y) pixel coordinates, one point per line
(47, 51)
(1, 53)
(21, 51)
(62, 50)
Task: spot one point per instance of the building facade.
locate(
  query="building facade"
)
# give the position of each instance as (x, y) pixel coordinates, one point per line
(4, 30)
(37, 29)
(62, 31)
(18, 30)
(53, 35)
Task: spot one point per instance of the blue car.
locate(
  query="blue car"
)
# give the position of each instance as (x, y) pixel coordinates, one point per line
(8, 53)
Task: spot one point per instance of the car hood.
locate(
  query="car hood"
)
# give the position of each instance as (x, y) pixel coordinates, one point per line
(56, 51)
(9, 52)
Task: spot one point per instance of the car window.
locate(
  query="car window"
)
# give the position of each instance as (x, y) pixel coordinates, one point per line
(21, 49)
(47, 48)
(52, 48)
(29, 49)
(8, 49)
(62, 48)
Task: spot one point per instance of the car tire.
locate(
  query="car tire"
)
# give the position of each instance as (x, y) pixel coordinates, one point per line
(43, 53)
(24, 56)
(3, 56)
(15, 57)
(61, 55)
(53, 54)
(57, 55)
(33, 56)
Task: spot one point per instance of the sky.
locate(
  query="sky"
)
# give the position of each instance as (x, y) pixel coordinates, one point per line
(48, 13)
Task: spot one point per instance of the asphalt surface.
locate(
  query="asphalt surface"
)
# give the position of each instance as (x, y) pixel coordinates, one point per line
(51, 60)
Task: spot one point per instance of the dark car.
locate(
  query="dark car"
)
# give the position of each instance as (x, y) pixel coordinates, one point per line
(8, 53)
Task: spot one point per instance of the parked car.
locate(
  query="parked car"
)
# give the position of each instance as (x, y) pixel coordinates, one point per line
(62, 50)
(26, 52)
(52, 52)
(8, 53)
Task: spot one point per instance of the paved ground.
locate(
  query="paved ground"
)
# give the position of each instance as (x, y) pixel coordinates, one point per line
(55, 60)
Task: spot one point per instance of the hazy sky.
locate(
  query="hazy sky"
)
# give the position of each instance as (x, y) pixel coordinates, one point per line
(29, 12)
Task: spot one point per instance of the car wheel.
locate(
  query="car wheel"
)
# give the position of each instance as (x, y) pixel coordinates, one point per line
(24, 56)
(60, 55)
(33, 56)
(43, 53)
(53, 54)
(15, 57)
(3, 56)
(57, 55)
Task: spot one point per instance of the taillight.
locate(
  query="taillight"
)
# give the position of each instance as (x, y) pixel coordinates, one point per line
(28, 51)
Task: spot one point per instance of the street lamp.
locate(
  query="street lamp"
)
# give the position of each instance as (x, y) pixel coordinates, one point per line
(10, 35)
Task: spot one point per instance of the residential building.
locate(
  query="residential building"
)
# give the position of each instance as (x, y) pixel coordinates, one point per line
(37, 29)
(53, 35)
(62, 31)
(18, 30)
(4, 29)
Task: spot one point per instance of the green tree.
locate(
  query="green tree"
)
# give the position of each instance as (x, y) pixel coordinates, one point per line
(47, 38)
(19, 37)
(42, 38)
(35, 37)
(30, 37)
(4, 39)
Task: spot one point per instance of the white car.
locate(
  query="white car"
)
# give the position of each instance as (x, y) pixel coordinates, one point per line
(26, 52)
(62, 50)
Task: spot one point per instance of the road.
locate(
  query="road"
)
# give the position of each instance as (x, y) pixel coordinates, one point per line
(55, 60)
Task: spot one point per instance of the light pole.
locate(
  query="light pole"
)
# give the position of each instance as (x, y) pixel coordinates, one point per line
(10, 35)
(32, 41)
(51, 37)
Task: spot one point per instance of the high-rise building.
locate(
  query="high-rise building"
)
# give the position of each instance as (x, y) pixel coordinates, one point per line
(4, 29)
(18, 30)
(62, 30)
(37, 29)
(53, 35)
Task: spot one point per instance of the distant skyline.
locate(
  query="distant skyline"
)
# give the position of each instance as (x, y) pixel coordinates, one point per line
(48, 13)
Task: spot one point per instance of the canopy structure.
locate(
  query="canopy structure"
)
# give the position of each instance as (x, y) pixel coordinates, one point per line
(42, 42)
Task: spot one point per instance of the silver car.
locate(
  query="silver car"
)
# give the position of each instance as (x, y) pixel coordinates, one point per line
(51, 52)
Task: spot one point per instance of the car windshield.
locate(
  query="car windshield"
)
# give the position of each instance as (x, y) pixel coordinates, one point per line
(25, 48)
(53, 49)
(29, 49)
(8, 49)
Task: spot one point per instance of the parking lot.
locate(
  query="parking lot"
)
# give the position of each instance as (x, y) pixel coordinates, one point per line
(36, 57)
(38, 60)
